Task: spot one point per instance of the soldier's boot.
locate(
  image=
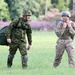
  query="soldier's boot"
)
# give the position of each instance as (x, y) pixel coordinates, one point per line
(9, 60)
(57, 62)
(24, 61)
(55, 65)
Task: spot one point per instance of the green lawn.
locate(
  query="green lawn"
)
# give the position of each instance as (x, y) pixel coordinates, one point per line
(41, 57)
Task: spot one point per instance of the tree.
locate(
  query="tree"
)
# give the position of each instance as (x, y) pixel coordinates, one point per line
(44, 6)
(4, 11)
(71, 4)
(61, 5)
(37, 7)
(67, 2)
(54, 3)
(33, 6)
(15, 8)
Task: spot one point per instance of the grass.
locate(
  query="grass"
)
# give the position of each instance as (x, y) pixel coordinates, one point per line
(41, 57)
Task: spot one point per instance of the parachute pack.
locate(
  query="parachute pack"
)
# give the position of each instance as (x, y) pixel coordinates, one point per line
(57, 21)
(3, 39)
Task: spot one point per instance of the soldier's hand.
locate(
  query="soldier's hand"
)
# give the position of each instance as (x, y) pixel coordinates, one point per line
(64, 25)
(29, 46)
(9, 40)
(69, 24)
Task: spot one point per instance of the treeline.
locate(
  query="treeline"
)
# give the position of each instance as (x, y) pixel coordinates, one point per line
(11, 9)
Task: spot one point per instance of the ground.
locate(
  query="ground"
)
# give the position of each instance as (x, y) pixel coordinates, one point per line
(41, 57)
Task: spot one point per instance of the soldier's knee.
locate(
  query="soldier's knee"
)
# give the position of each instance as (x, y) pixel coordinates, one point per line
(24, 58)
(70, 47)
(24, 61)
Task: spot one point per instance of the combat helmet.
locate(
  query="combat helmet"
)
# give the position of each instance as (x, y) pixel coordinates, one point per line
(27, 13)
(66, 13)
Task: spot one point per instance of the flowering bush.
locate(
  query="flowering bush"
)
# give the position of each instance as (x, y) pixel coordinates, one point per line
(2, 24)
(36, 25)
(42, 25)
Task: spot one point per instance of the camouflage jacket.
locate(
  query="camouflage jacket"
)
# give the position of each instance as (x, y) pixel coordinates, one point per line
(62, 32)
(18, 29)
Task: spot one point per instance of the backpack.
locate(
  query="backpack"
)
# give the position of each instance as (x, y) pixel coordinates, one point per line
(57, 21)
(3, 39)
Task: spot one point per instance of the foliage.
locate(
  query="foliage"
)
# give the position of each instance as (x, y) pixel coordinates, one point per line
(33, 18)
(61, 4)
(71, 4)
(42, 4)
(43, 25)
(16, 8)
(36, 25)
(3, 24)
(37, 7)
(33, 6)
(4, 13)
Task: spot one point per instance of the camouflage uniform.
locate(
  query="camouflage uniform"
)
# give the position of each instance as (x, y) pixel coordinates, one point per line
(17, 32)
(65, 42)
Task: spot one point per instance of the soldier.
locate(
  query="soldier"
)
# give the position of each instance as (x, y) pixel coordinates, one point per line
(65, 30)
(16, 38)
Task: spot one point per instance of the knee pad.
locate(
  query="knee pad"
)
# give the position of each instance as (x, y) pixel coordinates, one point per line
(25, 58)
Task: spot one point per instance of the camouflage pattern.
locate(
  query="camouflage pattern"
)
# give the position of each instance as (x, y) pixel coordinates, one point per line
(24, 61)
(18, 33)
(65, 42)
(66, 13)
(25, 13)
(10, 60)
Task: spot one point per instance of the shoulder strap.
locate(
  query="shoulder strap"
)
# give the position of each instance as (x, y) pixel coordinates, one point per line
(23, 27)
(58, 20)
(18, 22)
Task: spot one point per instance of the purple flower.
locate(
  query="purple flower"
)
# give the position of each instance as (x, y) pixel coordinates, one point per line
(2, 23)
(38, 24)
(34, 24)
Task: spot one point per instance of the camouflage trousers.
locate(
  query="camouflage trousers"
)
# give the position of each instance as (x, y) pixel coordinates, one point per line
(61, 46)
(12, 51)
(20, 45)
